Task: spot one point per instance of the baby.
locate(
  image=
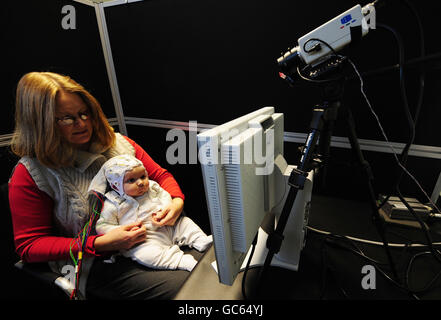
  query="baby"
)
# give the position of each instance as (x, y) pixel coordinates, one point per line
(136, 198)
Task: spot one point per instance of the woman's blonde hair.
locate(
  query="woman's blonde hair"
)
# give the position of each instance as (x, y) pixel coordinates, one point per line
(36, 133)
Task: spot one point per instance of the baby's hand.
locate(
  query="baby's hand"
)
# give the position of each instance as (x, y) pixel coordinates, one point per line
(136, 227)
(158, 216)
(168, 215)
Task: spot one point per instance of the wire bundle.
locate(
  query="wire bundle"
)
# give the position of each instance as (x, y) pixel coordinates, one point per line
(404, 285)
(81, 239)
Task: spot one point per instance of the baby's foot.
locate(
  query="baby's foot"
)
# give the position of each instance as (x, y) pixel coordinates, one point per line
(202, 243)
(188, 262)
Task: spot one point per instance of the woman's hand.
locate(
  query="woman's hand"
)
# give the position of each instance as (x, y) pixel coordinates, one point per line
(169, 215)
(123, 237)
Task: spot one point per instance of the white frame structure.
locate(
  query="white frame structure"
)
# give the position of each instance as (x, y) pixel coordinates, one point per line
(99, 6)
(293, 137)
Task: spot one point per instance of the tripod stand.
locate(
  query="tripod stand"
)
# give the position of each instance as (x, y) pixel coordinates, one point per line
(322, 124)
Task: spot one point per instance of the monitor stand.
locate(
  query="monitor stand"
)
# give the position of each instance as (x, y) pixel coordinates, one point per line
(295, 231)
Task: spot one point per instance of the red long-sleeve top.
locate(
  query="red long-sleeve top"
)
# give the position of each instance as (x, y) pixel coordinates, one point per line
(32, 213)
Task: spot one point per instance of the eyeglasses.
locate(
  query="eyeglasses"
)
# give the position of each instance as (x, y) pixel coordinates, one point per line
(70, 120)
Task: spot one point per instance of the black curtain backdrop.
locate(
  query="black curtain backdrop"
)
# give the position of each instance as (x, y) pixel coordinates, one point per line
(211, 61)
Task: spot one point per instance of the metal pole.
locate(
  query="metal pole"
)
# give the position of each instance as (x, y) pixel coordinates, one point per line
(436, 191)
(105, 42)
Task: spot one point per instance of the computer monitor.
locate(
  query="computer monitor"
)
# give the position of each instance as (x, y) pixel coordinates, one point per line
(245, 178)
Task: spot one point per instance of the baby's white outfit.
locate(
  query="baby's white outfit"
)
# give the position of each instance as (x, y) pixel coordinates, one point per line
(161, 250)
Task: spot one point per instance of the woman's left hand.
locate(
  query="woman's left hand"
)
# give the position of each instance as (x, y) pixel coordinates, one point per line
(169, 215)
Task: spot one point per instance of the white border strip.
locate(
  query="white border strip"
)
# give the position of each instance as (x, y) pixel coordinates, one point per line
(338, 142)
(293, 137)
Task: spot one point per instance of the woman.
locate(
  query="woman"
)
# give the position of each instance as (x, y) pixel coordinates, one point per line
(63, 138)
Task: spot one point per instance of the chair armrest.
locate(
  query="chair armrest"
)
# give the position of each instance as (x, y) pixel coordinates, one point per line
(43, 272)
(40, 271)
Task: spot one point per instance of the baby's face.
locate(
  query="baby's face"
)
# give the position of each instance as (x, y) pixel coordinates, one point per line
(136, 182)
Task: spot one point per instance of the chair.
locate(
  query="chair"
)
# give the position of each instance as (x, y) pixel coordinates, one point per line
(30, 276)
